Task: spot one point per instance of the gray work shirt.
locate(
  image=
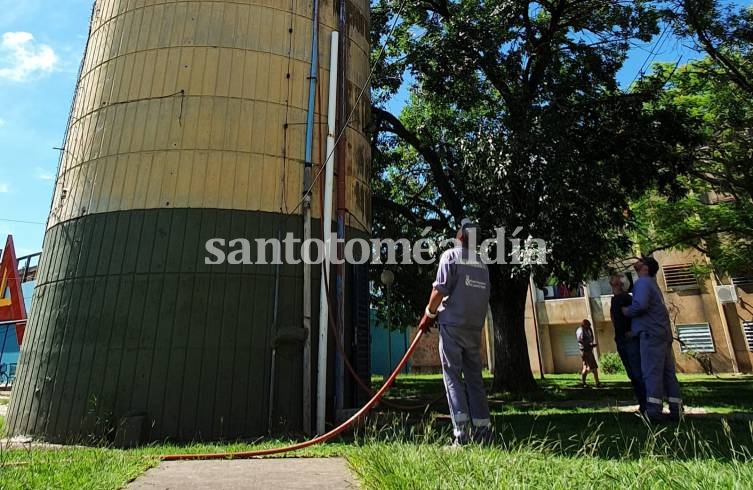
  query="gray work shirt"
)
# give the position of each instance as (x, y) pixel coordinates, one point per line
(647, 310)
(464, 280)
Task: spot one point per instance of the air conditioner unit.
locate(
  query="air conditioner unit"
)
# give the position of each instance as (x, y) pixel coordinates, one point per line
(726, 294)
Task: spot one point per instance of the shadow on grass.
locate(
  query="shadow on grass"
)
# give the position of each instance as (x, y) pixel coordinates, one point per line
(729, 393)
(626, 435)
(565, 419)
(614, 436)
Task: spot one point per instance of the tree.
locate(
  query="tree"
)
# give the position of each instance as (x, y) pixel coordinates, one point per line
(517, 120)
(715, 215)
(724, 33)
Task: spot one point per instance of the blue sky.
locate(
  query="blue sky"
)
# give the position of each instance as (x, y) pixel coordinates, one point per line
(41, 44)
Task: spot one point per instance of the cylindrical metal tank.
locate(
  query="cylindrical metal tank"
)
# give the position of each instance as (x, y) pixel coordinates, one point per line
(188, 124)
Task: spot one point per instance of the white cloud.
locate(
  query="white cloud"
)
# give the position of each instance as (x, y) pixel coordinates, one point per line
(4, 188)
(21, 57)
(42, 174)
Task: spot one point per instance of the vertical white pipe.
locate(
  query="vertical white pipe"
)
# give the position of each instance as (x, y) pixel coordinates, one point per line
(306, 392)
(321, 393)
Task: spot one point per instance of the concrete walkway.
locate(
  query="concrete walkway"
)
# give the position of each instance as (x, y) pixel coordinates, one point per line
(282, 473)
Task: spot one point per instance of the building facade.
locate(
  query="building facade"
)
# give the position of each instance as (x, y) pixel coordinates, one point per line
(712, 322)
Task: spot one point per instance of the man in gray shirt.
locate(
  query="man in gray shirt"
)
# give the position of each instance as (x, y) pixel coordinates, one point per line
(460, 299)
(651, 322)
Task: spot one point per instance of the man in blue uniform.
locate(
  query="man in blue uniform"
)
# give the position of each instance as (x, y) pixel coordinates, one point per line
(460, 299)
(650, 320)
(627, 341)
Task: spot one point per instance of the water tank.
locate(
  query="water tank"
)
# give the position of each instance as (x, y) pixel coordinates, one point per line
(187, 124)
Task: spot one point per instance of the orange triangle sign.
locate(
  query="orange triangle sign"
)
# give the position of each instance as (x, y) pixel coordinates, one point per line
(12, 307)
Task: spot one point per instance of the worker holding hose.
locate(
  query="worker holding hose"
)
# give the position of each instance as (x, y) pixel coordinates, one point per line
(459, 301)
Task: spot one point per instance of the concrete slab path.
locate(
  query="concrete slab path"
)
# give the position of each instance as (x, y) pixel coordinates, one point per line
(280, 473)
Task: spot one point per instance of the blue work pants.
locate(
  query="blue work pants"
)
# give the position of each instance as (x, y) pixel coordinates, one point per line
(658, 366)
(629, 350)
(460, 353)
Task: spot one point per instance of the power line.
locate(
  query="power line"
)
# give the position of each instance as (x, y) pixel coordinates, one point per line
(653, 52)
(22, 221)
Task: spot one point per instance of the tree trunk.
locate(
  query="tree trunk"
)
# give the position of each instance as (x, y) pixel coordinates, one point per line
(512, 370)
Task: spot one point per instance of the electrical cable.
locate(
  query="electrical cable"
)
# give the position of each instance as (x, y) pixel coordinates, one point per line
(22, 221)
(362, 384)
(653, 52)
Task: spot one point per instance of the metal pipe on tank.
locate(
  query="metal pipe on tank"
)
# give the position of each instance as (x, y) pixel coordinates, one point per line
(341, 206)
(321, 392)
(275, 327)
(313, 73)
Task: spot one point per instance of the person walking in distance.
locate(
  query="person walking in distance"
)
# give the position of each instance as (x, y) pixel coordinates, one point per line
(651, 321)
(585, 336)
(459, 300)
(627, 341)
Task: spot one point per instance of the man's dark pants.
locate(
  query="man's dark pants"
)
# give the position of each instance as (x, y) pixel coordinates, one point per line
(629, 350)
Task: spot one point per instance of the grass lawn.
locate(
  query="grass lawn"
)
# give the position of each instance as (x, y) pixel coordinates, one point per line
(561, 436)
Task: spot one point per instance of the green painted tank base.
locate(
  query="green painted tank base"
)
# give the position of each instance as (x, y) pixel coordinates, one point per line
(131, 331)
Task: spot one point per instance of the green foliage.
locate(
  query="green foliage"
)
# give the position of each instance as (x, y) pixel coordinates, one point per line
(610, 363)
(516, 120)
(703, 359)
(724, 31)
(714, 213)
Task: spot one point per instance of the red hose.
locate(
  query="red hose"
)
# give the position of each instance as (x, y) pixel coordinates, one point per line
(361, 384)
(367, 389)
(318, 439)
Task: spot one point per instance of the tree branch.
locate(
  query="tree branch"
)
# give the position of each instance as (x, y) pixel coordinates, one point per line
(430, 156)
(738, 77)
(407, 213)
(439, 6)
(542, 51)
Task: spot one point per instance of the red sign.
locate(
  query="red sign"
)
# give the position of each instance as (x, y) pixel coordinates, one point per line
(12, 307)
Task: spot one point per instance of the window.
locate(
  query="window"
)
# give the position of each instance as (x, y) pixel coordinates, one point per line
(742, 281)
(569, 343)
(745, 283)
(695, 337)
(679, 277)
(748, 332)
